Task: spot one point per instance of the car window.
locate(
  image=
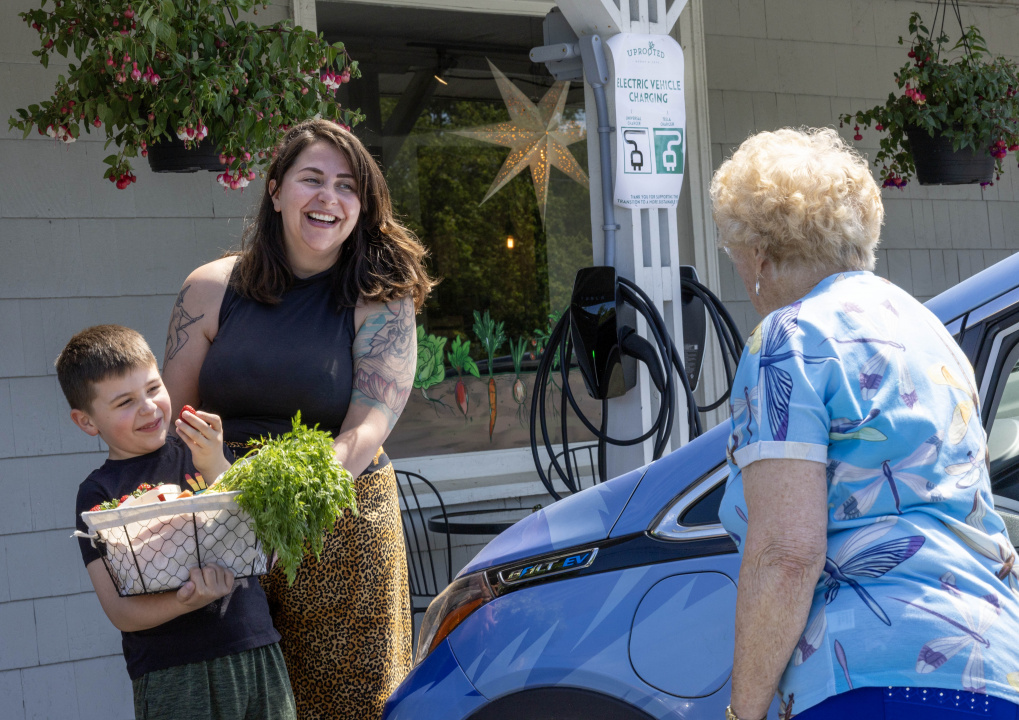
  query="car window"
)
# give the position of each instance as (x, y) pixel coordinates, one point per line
(1003, 433)
(705, 510)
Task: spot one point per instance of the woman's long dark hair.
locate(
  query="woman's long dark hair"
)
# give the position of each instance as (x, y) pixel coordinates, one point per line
(380, 261)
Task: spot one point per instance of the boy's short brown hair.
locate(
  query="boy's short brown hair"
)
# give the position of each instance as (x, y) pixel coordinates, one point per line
(95, 354)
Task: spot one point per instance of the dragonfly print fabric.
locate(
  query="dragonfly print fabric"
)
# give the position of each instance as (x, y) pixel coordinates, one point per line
(920, 582)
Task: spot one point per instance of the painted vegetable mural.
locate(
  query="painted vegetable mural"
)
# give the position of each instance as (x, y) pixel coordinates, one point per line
(517, 350)
(492, 337)
(460, 359)
(431, 367)
(445, 366)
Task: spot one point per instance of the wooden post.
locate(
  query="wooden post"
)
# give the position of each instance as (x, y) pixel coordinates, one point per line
(303, 12)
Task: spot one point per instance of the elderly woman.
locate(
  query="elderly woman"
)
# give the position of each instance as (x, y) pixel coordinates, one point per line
(872, 571)
(316, 314)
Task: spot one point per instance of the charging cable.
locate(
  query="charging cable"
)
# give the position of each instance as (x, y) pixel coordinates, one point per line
(664, 365)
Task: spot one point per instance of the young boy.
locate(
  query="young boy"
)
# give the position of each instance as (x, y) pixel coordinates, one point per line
(208, 650)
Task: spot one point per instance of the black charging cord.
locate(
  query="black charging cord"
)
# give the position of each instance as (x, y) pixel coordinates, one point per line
(664, 364)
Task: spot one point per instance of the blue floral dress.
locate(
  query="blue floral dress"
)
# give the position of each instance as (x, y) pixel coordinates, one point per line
(919, 584)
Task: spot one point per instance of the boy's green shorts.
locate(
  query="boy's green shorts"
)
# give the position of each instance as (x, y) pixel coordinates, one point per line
(249, 685)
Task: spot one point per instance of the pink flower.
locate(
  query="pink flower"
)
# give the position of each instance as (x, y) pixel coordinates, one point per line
(331, 80)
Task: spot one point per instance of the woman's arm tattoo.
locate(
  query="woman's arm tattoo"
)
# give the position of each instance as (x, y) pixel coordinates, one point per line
(385, 355)
(177, 336)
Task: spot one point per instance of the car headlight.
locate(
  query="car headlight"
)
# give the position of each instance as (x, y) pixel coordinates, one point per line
(450, 608)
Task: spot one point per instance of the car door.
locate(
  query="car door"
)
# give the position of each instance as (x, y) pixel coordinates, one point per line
(991, 340)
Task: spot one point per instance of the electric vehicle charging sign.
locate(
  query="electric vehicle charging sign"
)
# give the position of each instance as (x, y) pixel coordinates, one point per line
(650, 120)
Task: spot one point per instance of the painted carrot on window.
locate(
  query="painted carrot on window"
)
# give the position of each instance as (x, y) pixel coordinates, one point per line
(492, 337)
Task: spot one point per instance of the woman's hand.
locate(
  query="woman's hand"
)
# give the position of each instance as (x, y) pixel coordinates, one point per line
(787, 521)
(385, 358)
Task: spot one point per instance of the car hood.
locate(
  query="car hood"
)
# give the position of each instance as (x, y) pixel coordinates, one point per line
(622, 506)
(587, 516)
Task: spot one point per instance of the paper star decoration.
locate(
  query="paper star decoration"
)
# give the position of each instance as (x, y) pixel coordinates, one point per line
(537, 136)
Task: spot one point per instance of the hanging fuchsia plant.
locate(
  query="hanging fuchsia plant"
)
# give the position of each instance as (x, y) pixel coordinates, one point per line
(149, 71)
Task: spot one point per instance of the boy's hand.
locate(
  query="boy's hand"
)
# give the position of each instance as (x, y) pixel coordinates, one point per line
(206, 584)
(202, 432)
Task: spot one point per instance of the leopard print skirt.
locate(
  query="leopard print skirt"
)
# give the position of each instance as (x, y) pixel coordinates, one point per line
(346, 622)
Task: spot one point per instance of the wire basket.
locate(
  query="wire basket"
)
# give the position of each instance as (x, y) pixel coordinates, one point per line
(151, 548)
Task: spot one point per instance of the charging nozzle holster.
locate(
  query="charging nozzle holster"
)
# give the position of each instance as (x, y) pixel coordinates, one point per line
(597, 319)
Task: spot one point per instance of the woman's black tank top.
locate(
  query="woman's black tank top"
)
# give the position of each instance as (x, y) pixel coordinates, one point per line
(269, 361)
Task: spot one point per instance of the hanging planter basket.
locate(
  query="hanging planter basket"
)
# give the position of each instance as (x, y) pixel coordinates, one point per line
(171, 156)
(938, 164)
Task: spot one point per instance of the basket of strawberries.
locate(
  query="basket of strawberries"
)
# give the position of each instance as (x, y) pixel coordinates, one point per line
(282, 496)
(152, 538)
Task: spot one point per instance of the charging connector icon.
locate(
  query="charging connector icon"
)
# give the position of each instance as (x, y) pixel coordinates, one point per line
(636, 156)
(669, 150)
(669, 158)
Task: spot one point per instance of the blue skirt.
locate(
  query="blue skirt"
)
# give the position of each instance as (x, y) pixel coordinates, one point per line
(900, 703)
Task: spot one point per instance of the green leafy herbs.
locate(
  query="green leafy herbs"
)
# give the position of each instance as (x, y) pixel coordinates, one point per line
(294, 490)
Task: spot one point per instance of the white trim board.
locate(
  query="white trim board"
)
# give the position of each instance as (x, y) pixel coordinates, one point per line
(536, 8)
(483, 476)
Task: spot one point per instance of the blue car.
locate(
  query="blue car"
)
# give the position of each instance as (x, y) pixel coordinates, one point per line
(619, 602)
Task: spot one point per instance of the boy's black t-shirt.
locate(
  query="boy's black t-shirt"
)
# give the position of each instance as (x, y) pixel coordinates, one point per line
(240, 621)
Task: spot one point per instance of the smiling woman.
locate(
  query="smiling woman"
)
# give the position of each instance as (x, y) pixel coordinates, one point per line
(319, 203)
(316, 314)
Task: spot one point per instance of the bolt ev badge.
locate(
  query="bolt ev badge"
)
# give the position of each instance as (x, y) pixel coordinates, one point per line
(547, 567)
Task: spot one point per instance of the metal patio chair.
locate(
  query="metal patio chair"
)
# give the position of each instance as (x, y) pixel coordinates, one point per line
(426, 577)
(585, 456)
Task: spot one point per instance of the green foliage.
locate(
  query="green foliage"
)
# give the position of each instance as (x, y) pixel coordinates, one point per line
(431, 368)
(517, 349)
(971, 99)
(460, 359)
(490, 334)
(543, 335)
(242, 81)
(294, 490)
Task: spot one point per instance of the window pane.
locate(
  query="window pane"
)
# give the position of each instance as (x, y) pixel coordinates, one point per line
(503, 255)
(1003, 439)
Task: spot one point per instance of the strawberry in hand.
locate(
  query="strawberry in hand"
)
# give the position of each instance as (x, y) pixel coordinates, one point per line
(202, 432)
(186, 408)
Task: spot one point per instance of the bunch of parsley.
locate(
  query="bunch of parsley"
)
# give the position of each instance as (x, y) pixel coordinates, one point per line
(294, 490)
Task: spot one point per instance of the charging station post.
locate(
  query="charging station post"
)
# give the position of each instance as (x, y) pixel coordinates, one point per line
(646, 245)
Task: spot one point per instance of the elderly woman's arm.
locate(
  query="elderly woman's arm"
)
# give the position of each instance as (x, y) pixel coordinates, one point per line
(782, 560)
(385, 359)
